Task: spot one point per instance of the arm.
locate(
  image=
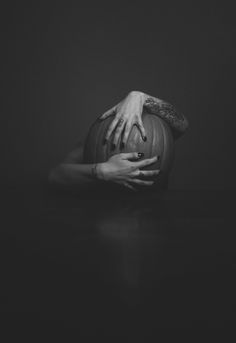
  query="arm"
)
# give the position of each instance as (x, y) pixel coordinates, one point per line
(72, 174)
(177, 121)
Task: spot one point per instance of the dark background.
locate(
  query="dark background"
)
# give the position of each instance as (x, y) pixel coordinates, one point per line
(103, 263)
(64, 66)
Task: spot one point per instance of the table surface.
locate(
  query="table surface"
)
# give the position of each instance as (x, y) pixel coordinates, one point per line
(108, 264)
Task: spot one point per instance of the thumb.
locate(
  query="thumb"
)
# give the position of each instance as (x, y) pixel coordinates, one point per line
(107, 113)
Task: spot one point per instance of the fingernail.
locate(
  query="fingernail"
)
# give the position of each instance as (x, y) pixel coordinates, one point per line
(104, 141)
(113, 146)
(145, 138)
(140, 154)
(122, 145)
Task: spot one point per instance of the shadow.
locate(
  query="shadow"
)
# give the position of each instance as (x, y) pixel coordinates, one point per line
(124, 231)
(118, 262)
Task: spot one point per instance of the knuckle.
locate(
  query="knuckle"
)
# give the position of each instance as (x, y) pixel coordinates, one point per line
(132, 168)
(129, 122)
(114, 124)
(120, 124)
(127, 129)
(120, 128)
(140, 123)
(116, 136)
(148, 183)
(135, 173)
(109, 130)
(126, 135)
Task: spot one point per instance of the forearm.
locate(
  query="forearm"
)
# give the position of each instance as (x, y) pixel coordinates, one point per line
(72, 176)
(177, 121)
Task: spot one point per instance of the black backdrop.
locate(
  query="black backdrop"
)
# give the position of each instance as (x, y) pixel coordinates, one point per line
(65, 65)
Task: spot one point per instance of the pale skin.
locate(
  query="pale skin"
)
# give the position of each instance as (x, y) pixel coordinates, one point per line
(122, 169)
(125, 168)
(129, 112)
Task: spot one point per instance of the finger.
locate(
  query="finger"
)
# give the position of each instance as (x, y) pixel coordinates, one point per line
(142, 182)
(107, 113)
(129, 186)
(127, 130)
(119, 129)
(141, 128)
(111, 128)
(131, 155)
(146, 162)
(146, 173)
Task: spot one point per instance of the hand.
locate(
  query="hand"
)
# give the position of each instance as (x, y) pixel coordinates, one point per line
(124, 169)
(127, 113)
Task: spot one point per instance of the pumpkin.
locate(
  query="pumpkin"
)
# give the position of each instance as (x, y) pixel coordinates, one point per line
(159, 142)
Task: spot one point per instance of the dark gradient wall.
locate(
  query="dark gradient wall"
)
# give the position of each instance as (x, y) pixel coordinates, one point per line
(65, 65)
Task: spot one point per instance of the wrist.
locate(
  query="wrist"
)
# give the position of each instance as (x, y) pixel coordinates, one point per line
(137, 94)
(138, 97)
(101, 173)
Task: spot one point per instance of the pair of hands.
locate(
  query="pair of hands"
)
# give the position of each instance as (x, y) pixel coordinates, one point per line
(125, 168)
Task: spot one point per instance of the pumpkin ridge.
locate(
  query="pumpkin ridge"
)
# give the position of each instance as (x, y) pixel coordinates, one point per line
(153, 135)
(163, 142)
(96, 144)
